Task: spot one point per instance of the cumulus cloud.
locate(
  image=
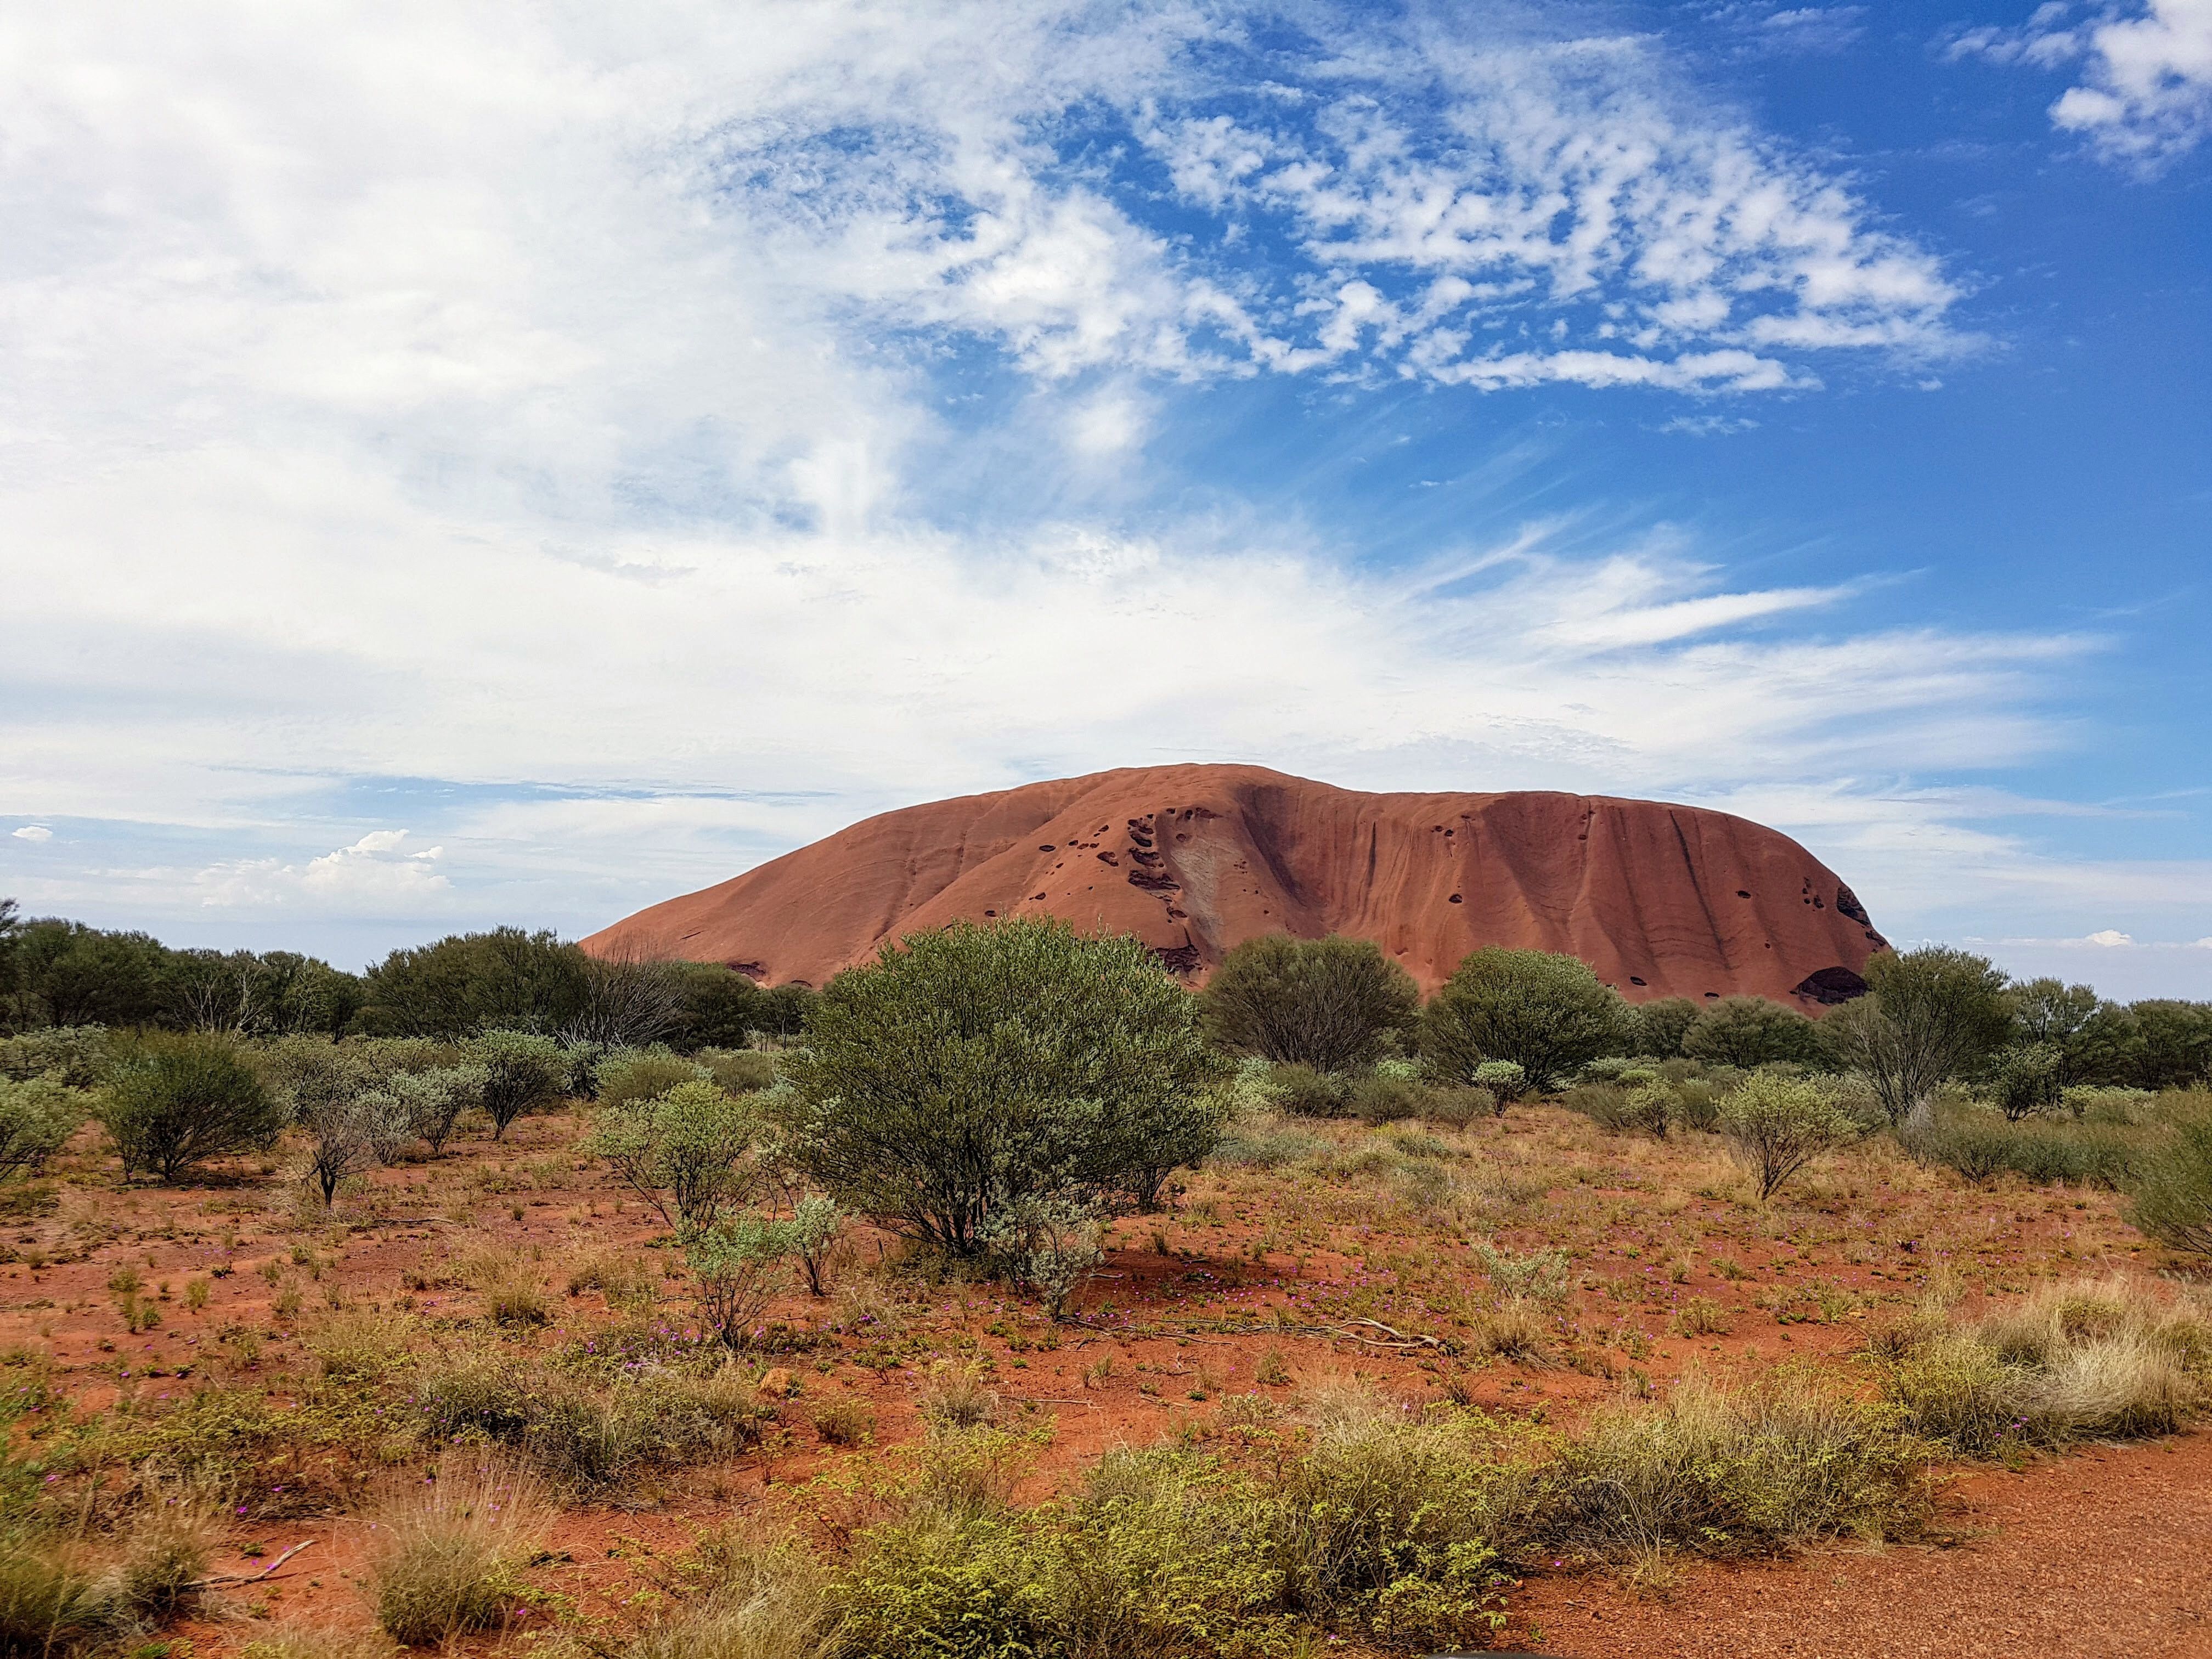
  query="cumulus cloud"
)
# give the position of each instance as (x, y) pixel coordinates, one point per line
(34, 832)
(2145, 95)
(374, 874)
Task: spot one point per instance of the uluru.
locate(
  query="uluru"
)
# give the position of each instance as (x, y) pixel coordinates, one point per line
(1661, 900)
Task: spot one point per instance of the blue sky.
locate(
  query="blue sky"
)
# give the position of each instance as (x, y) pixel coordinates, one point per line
(518, 462)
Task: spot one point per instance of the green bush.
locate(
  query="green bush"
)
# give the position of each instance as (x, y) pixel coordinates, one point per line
(1656, 1028)
(1506, 1078)
(522, 1073)
(629, 1075)
(36, 1116)
(1750, 1031)
(179, 1101)
(1931, 1015)
(1978, 1145)
(2026, 1080)
(1334, 1003)
(1263, 1143)
(1456, 1108)
(1547, 1014)
(78, 1056)
(685, 1152)
(977, 1066)
(1777, 1125)
(2173, 1200)
(504, 979)
(1302, 1091)
(428, 1103)
(740, 1070)
(1378, 1099)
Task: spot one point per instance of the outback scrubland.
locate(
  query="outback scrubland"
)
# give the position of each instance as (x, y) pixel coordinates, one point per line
(1008, 1299)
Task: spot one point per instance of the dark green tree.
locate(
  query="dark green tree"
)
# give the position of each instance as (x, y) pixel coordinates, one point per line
(1930, 1015)
(1332, 1003)
(1547, 1013)
(506, 979)
(2172, 1047)
(967, 1069)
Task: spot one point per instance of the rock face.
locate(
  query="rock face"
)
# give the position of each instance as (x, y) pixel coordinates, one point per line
(1662, 901)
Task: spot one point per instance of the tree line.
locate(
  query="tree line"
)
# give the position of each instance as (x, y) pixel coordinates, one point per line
(59, 973)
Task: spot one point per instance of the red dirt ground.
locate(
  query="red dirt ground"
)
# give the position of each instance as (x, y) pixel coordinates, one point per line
(2103, 1552)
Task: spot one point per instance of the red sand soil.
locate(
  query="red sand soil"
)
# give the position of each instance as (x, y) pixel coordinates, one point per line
(2104, 1552)
(1662, 901)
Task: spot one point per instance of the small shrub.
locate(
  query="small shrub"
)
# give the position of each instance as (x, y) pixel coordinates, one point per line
(1547, 1013)
(1378, 1099)
(1506, 1079)
(1699, 1317)
(1454, 1109)
(432, 1100)
(683, 1152)
(845, 1423)
(1265, 1143)
(1542, 1276)
(2076, 1360)
(758, 1602)
(523, 1073)
(1302, 1091)
(631, 1076)
(1051, 1244)
(1334, 1003)
(2172, 1202)
(1697, 1104)
(1777, 1125)
(738, 1071)
(737, 1269)
(2025, 1080)
(75, 1056)
(169, 1550)
(445, 1559)
(296, 1639)
(37, 1114)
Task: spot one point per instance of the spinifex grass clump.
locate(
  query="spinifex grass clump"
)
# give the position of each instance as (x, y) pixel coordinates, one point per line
(446, 1558)
(2079, 1361)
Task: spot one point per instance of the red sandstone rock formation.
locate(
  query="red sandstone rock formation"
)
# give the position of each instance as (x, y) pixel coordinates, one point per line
(1662, 901)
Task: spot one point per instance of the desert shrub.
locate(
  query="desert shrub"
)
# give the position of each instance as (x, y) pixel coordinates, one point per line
(738, 1266)
(1547, 1014)
(51, 1601)
(1052, 1243)
(446, 1558)
(170, 1546)
(1697, 1103)
(740, 1070)
(340, 1136)
(37, 1114)
(1384, 1099)
(78, 1056)
(1750, 1031)
(1786, 1463)
(685, 1152)
(1978, 1145)
(1656, 1028)
(179, 1101)
(956, 1397)
(845, 1422)
(2080, 1360)
(2172, 1199)
(1506, 1078)
(1648, 1106)
(297, 1639)
(629, 1076)
(582, 1433)
(1302, 1091)
(522, 1073)
(2094, 1104)
(1263, 1142)
(432, 1100)
(1334, 1004)
(817, 1232)
(968, 1068)
(1777, 1125)
(2026, 1079)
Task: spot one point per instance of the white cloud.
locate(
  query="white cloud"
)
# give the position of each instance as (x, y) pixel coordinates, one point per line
(2146, 93)
(374, 875)
(2112, 937)
(34, 832)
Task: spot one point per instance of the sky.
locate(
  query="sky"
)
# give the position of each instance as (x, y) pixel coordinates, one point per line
(516, 462)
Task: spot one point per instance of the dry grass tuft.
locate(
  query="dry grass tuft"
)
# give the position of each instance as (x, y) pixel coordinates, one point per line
(955, 1398)
(445, 1557)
